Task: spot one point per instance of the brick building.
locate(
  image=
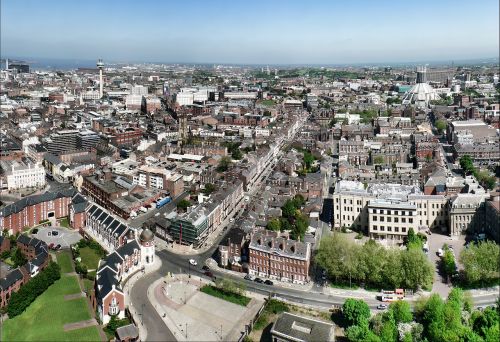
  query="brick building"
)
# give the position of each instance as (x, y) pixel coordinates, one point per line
(279, 258)
(31, 210)
(36, 251)
(108, 297)
(233, 251)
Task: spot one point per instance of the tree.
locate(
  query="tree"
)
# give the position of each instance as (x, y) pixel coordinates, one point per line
(466, 164)
(236, 154)
(440, 125)
(413, 240)
(448, 262)
(401, 311)
(378, 160)
(183, 204)
(209, 188)
(300, 227)
(274, 224)
(224, 164)
(18, 258)
(480, 263)
(355, 311)
(308, 159)
(416, 269)
(288, 209)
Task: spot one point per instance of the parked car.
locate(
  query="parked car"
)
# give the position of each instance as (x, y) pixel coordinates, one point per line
(209, 274)
(440, 252)
(34, 231)
(51, 245)
(258, 280)
(249, 277)
(58, 246)
(381, 306)
(55, 233)
(205, 268)
(268, 282)
(193, 262)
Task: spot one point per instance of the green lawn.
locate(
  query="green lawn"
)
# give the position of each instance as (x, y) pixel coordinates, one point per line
(44, 319)
(64, 260)
(228, 296)
(267, 102)
(88, 284)
(9, 261)
(89, 257)
(64, 222)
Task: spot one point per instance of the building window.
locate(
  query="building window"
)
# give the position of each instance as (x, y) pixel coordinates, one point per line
(403, 220)
(374, 227)
(374, 218)
(403, 230)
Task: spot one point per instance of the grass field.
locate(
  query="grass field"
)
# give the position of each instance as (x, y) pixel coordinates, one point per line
(64, 260)
(89, 257)
(228, 296)
(267, 102)
(88, 284)
(44, 319)
(64, 222)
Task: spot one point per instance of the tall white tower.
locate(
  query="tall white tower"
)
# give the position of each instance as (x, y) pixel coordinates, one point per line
(100, 66)
(146, 240)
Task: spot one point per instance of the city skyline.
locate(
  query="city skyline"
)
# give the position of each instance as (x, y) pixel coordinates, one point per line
(261, 33)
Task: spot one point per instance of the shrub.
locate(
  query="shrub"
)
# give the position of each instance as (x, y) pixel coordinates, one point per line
(21, 299)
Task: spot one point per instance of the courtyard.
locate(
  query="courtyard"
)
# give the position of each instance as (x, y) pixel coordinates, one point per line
(65, 237)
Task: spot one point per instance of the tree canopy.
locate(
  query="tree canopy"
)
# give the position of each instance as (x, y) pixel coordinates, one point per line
(480, 262)
(372, 264)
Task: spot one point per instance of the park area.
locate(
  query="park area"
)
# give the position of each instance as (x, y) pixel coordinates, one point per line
(61, 313)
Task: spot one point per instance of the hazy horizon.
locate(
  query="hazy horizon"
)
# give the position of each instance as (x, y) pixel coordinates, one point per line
(256, 33)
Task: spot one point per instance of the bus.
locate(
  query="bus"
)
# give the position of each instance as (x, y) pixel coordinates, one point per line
(161, 202)
(392, 296)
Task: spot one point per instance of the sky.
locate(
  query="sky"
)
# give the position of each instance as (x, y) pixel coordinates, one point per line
(251, 31)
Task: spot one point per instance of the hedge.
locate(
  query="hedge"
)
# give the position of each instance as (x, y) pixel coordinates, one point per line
(21, 299)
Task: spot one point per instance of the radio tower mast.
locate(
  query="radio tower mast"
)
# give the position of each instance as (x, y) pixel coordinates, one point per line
(100, 66)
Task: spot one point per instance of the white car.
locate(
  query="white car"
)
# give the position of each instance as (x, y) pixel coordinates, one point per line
(440, 252)
(231, 220)
(193, 262)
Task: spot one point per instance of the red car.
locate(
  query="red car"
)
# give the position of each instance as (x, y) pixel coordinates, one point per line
(51, 246)
(209, 274)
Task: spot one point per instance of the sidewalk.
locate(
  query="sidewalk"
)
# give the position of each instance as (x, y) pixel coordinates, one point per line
(301, 287)
(168, 307)
(127, 286)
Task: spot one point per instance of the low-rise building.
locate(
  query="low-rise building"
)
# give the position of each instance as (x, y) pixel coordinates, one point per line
(108, 297)
(22, 174)
(279, 258)
(293, 328)
(32, 210)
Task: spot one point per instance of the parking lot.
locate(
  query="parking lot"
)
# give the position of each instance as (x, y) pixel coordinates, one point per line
(65, 237)
(5, 269)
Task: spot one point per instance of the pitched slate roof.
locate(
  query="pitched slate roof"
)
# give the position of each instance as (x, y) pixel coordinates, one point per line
(113, 225)
(11, 279)
(35, 199)
(107, 275)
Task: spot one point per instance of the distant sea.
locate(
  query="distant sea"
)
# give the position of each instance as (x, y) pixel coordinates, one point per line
(52, 63)
(73, 64)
